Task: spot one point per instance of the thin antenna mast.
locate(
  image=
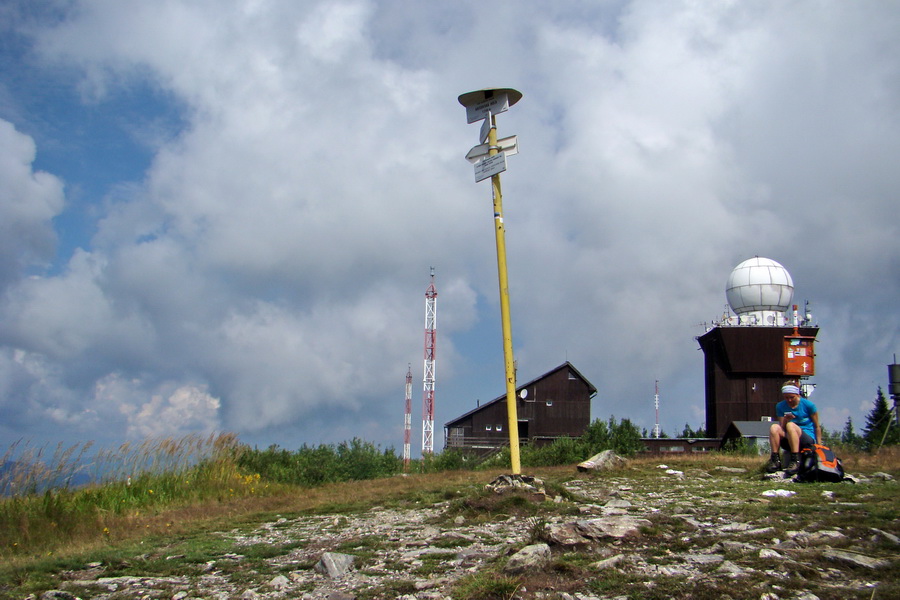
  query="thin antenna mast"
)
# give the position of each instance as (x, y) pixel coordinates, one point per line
(656, 403)
(428, 387)
(407, 419)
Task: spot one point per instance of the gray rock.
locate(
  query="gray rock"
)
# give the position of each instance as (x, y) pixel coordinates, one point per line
(565, 534)
(609, 563)
(731, 469)
(601, 462)
(57, 595)
(817, 537)
(703, 559)
(855, 559)
(280, 582)
(887, 535)
(729, 569)
(334, 564)
(617, 503)
(612, 526)
(533, 557)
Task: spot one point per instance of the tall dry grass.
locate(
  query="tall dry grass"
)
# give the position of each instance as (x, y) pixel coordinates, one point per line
(42, 511)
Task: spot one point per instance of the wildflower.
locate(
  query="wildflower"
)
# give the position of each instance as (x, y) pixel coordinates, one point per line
(150, 491)
(106, 531)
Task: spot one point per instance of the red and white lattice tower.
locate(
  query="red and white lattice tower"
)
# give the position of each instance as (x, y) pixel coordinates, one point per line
(428, 395)
(407, 418)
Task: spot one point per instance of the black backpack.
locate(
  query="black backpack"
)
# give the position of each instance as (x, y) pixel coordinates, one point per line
(819, 463)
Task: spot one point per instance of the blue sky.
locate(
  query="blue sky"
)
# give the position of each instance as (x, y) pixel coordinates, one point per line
(220, 215)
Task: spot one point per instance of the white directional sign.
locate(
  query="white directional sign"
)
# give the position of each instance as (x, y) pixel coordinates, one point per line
(490, 166)
(497, 103)
(509, 145)
(486, 127)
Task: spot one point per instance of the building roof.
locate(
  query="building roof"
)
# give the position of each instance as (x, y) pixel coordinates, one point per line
(748, 429)
(501, 398)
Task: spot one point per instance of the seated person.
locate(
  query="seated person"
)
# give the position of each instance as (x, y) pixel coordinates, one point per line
(797, 428)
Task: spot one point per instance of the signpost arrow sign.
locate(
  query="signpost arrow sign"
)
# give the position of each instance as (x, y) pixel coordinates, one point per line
(508, 145)
(486, 127)
(490, 166)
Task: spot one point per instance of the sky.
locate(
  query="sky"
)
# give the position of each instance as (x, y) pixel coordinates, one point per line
(221, 215)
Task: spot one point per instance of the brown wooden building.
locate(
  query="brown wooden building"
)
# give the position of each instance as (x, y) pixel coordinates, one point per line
(556, 404)
(744, 371)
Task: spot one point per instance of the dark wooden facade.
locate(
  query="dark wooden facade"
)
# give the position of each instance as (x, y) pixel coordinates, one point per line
(744, 371)
(556, 404)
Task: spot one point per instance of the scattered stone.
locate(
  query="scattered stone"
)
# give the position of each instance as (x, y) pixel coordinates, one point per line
(731, 469)
(730, 569)
(507, 483)
(779, 493)
(334, 564)
(533, 557)
(601, 462)
(733, 546)
(280, 583)
(703, 559)
(57, 595)
(855, 559)
(565, 534)
(888, 536)
(883, 476)
(609, 563)
(615, 527)
(618, 503)
(768, 553)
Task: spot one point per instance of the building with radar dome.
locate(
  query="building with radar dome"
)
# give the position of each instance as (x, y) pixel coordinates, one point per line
(744, 351)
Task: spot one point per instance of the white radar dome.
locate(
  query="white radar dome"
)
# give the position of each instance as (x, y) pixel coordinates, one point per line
(759, 285)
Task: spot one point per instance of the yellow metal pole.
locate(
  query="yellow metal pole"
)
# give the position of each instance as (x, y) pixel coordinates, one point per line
(500, 232)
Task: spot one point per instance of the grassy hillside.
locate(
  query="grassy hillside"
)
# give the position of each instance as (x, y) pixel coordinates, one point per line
(170, 522)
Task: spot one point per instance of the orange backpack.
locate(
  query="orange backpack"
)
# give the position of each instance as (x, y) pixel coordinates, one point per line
(820, 464)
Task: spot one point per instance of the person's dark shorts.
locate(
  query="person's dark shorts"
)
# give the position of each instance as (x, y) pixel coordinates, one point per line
(806, 441)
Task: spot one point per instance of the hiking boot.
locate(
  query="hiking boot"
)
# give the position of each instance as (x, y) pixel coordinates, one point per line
(774, 464)
(793, 468)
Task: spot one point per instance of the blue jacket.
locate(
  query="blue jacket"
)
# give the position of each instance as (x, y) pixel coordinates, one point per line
(802, 415)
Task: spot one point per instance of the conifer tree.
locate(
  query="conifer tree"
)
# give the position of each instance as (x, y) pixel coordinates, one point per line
(881, 427)
(849, 437)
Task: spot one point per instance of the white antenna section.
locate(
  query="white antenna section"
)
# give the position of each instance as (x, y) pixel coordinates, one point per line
(656, 403)
(428, 380)
(407, 418)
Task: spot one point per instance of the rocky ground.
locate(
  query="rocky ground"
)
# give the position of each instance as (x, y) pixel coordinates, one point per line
(655, 532)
